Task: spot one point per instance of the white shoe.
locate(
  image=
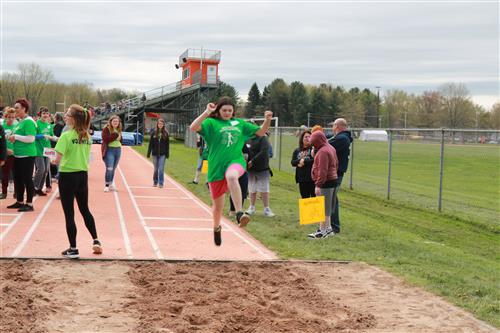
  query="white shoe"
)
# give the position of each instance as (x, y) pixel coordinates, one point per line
(112, 187)
(250, 210)
(106, 188)
(268, 212)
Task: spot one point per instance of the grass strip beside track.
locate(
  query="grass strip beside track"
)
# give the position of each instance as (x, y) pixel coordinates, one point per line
(445, 254)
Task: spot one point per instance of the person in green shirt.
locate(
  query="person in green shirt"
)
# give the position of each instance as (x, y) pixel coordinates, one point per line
(72, 156)
(9, 121)
(23, 139)
(225, 136)
(45, 134)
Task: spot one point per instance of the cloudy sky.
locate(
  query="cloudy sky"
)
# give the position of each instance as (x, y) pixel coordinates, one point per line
(414, 46)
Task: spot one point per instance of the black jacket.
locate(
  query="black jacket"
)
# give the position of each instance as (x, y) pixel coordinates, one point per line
(259, 153)
(158, 146)
(303, 175)
(342, 143)
(3, 145)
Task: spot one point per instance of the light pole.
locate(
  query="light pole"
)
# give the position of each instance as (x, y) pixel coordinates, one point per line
(378, 103)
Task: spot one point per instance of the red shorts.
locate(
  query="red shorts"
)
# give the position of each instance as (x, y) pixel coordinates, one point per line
(219, 187)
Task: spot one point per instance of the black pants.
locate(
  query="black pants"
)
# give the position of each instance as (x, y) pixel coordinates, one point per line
(75, 185)
(243, 180)
(307, 190)
(23, 178)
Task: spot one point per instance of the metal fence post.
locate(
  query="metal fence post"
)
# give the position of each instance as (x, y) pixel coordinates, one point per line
(390, 167)
(441, 169)
(281, 145)
(352, 161)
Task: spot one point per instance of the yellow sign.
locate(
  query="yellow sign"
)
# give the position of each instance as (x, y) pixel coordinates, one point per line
(312, 210)
(204, 167)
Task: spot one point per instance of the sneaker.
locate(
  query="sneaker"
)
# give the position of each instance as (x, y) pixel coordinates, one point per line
(16, 205)
(26, 208)
(232, 213)
(268, 212)
(112, 187)
(3, 196)
(194, 182)
(155, 185)
(242, 219)
(48, 190)
(96, 247)
(160, 186)
(218, 236)
(70, 253)
(40, 193)
(317, 235)
(250, 210)
(106, 188)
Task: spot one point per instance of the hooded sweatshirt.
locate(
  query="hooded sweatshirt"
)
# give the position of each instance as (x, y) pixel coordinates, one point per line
(342, 143)
(324, 170)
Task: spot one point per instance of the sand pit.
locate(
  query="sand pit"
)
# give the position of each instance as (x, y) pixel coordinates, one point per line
(145, 297)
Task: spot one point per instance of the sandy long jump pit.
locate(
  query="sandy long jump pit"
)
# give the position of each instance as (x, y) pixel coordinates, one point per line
(145, 297)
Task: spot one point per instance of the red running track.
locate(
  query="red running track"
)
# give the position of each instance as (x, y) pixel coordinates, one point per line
(137, 221)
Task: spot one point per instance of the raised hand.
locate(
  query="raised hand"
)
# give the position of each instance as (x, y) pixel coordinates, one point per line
(268, 115)
(211, 107)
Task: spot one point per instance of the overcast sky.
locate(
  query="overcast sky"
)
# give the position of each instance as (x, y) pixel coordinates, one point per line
(409, 46)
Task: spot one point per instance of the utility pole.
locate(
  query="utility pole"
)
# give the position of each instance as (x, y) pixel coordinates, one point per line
(378, 104)
(308, 119)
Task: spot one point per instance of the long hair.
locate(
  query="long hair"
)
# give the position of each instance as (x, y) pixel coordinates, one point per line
(81, 121)
(225, 100)
(25, 104)
(110, 127)
(301, 139)
(163, 132)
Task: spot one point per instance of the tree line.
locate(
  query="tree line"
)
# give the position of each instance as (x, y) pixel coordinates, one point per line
(295, 104)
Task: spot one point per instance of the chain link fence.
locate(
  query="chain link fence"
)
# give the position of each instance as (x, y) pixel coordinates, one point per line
(454, 171)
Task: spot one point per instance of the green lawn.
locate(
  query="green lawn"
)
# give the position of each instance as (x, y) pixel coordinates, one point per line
(471, 183)
(450, 255)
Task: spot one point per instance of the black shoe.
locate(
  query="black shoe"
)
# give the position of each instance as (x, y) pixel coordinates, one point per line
(96, 247)
(70, 253)
(40, 193)
(242, 219)
(16, 205)
(218, 236)
(3, 196)
(26, 208)
(193, 182)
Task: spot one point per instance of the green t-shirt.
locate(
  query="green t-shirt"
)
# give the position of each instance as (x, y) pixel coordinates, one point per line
(225, 140)
(8, 131)
(45, 129)
(116, 143)
(75, 155)
(27, 126)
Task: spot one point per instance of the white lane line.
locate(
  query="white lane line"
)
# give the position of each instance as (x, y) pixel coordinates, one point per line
(175, 218)
(183, 229)
(165, 206)
(13, 223)
(123, 227)
(4, 224)
(35, 224)
(160, 197)
(202, 205)
(154, 187)
(9, 214)
(152, 241)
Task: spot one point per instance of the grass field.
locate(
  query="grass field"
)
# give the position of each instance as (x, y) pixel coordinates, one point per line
(448, 255)
(471, 183)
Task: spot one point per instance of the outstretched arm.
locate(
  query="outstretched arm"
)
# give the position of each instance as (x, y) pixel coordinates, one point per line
(196, 124)
(268, 115)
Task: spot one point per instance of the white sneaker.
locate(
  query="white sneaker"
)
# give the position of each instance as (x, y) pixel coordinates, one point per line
(268, 212)
(251, 210)
(106, 188)
(112, 187)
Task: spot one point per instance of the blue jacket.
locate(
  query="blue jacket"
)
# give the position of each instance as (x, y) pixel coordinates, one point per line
(342, 144)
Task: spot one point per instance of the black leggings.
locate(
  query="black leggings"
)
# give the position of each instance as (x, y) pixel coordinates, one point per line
(307, 190)
(23, 178)
(75, 185)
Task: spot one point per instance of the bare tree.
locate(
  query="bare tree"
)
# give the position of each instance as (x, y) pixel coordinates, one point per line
(9, 88)
(33, 79)
(457, 105)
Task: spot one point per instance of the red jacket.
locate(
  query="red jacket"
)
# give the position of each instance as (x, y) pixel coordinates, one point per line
(325, 160)
(107, 138)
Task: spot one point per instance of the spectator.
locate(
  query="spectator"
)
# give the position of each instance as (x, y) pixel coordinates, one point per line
(341, 141)
(9, 115)
(159, 146)
(324, 175)
(45, 134)
(259, 173)
(302, 160)
(202, 155)
(111, 149)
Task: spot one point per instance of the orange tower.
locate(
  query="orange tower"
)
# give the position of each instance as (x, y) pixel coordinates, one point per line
(199, 66)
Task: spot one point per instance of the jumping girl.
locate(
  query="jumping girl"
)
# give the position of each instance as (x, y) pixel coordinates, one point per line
(73, 150)
(225, 137)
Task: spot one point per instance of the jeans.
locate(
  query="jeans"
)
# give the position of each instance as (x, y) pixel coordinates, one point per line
(42, 168)
(334, 218)
(111, 160)
(159, 167)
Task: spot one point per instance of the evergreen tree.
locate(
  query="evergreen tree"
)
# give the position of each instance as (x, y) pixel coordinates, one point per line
(299, 103)
(279, 94)
(253, 101)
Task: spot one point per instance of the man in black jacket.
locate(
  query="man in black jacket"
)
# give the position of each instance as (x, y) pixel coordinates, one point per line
(259, 173)
(341, 141)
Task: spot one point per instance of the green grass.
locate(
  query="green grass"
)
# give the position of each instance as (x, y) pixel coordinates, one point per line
(471, 183)
(452, 256)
